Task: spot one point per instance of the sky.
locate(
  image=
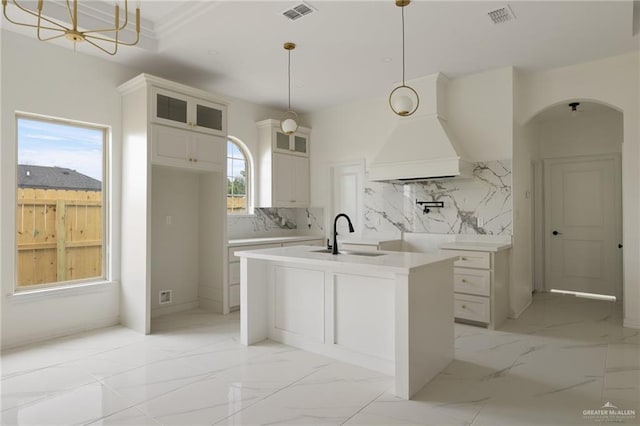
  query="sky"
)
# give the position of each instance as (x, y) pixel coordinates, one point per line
(43, 143)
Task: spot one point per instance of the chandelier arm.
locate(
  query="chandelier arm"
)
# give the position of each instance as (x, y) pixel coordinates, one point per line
(69, 10)
(109, 40)
(31, 25)
(115, 50)
(62, 28)
(50, 38)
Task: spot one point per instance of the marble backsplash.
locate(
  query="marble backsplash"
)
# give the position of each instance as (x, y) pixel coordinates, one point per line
(480, 205)
(276, 222)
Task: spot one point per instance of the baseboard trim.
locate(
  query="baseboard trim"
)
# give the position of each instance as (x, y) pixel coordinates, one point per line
(631, 323)
(516, 315)
(55, 334)
(173, 308)
(211, 305)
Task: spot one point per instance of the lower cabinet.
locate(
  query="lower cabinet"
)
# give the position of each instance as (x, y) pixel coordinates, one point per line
(481, 281)
(234, 264)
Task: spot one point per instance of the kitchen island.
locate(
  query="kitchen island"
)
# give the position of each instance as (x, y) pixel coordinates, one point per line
(387, 311)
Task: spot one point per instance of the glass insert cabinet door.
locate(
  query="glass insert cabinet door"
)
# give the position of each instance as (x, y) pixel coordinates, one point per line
(292, 144)
(300, 144)
(176, 109)
(171, 108)
(208, 116)
(282, 141)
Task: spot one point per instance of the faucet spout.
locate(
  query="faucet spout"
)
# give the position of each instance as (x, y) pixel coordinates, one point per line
(334, 249)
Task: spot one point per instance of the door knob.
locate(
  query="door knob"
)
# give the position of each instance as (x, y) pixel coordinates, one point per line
(556, 233)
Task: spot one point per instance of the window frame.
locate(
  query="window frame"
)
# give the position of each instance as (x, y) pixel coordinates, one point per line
(249, 182)
(106, 201)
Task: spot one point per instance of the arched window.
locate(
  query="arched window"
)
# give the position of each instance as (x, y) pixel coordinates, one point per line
(239, 174)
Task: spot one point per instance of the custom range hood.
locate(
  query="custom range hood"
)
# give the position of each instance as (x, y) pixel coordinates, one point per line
(420, 147)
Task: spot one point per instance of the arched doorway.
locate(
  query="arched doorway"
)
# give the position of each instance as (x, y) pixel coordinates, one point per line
(577, 198)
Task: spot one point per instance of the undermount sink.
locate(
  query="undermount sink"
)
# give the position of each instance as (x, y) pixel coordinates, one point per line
(354, 253)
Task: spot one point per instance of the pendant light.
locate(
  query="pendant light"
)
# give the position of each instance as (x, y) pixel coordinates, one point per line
(403, 100)
(289, 123)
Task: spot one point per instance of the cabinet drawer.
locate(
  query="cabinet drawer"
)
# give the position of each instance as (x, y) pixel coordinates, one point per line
(472, 281)
(234, 273)
(472, 259)
(234, 296)
(475, 308)
(233, 250)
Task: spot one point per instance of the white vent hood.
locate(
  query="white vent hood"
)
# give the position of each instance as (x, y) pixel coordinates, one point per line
(420, 147)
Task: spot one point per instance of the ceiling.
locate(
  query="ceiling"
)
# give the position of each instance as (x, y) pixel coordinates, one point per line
(349, 50)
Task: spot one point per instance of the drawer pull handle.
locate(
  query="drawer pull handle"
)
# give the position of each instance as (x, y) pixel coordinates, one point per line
(463, 258)
(464, 306)
(464, 281)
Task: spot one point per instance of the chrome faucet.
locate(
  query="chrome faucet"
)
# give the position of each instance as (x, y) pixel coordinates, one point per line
(334, 248)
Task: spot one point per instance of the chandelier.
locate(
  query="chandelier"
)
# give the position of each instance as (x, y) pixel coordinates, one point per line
(49, 29)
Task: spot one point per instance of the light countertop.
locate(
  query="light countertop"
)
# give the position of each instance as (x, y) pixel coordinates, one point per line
(391, 261)
(268, 240)
(475, 246)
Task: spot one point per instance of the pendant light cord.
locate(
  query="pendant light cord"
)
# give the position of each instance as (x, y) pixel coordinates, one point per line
(402, 45)
(289, 74)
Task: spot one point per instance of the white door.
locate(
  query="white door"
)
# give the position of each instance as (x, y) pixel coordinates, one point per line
(582, 225)
(346, 195)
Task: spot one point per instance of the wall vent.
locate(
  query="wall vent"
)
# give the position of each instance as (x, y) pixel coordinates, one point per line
(503, 14)
(298, 11)
(165, 297)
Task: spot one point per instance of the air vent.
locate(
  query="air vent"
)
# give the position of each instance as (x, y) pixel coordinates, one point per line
(298, 11)
(504, 14)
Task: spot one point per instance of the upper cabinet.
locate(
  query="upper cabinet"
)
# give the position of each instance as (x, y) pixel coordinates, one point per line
(296, 144)
(176, 109)
(284, 166)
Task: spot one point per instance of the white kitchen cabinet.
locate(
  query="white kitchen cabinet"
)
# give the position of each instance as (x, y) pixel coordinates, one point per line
(289, 181)
(481, 281)
(151, 213)
(233, 273)
(284, 166)
(181, 110)
(176, 147)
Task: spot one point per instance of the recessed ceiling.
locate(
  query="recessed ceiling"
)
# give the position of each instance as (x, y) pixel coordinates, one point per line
(349, 50)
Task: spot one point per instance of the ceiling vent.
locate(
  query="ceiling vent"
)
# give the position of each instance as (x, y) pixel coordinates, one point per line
(503, 14)
(298, 11)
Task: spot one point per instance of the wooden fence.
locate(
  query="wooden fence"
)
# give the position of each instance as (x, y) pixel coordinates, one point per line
(59, 235)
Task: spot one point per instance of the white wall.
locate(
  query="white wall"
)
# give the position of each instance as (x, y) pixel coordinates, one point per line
(45, 79)
(615, 82)
(174, 246)
(585, 134)
(479, 109)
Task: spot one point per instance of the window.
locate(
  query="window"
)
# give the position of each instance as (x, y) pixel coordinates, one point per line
(238, 178)
(61, 195)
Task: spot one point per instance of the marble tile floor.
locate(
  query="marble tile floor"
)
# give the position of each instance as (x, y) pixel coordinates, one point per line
(564, 355)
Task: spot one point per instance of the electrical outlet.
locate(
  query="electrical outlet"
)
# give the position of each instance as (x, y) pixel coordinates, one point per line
(479, 222)
(165, 296)
(283, 221)
(168, 220)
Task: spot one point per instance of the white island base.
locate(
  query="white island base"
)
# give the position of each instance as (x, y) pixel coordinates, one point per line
(390, 313)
